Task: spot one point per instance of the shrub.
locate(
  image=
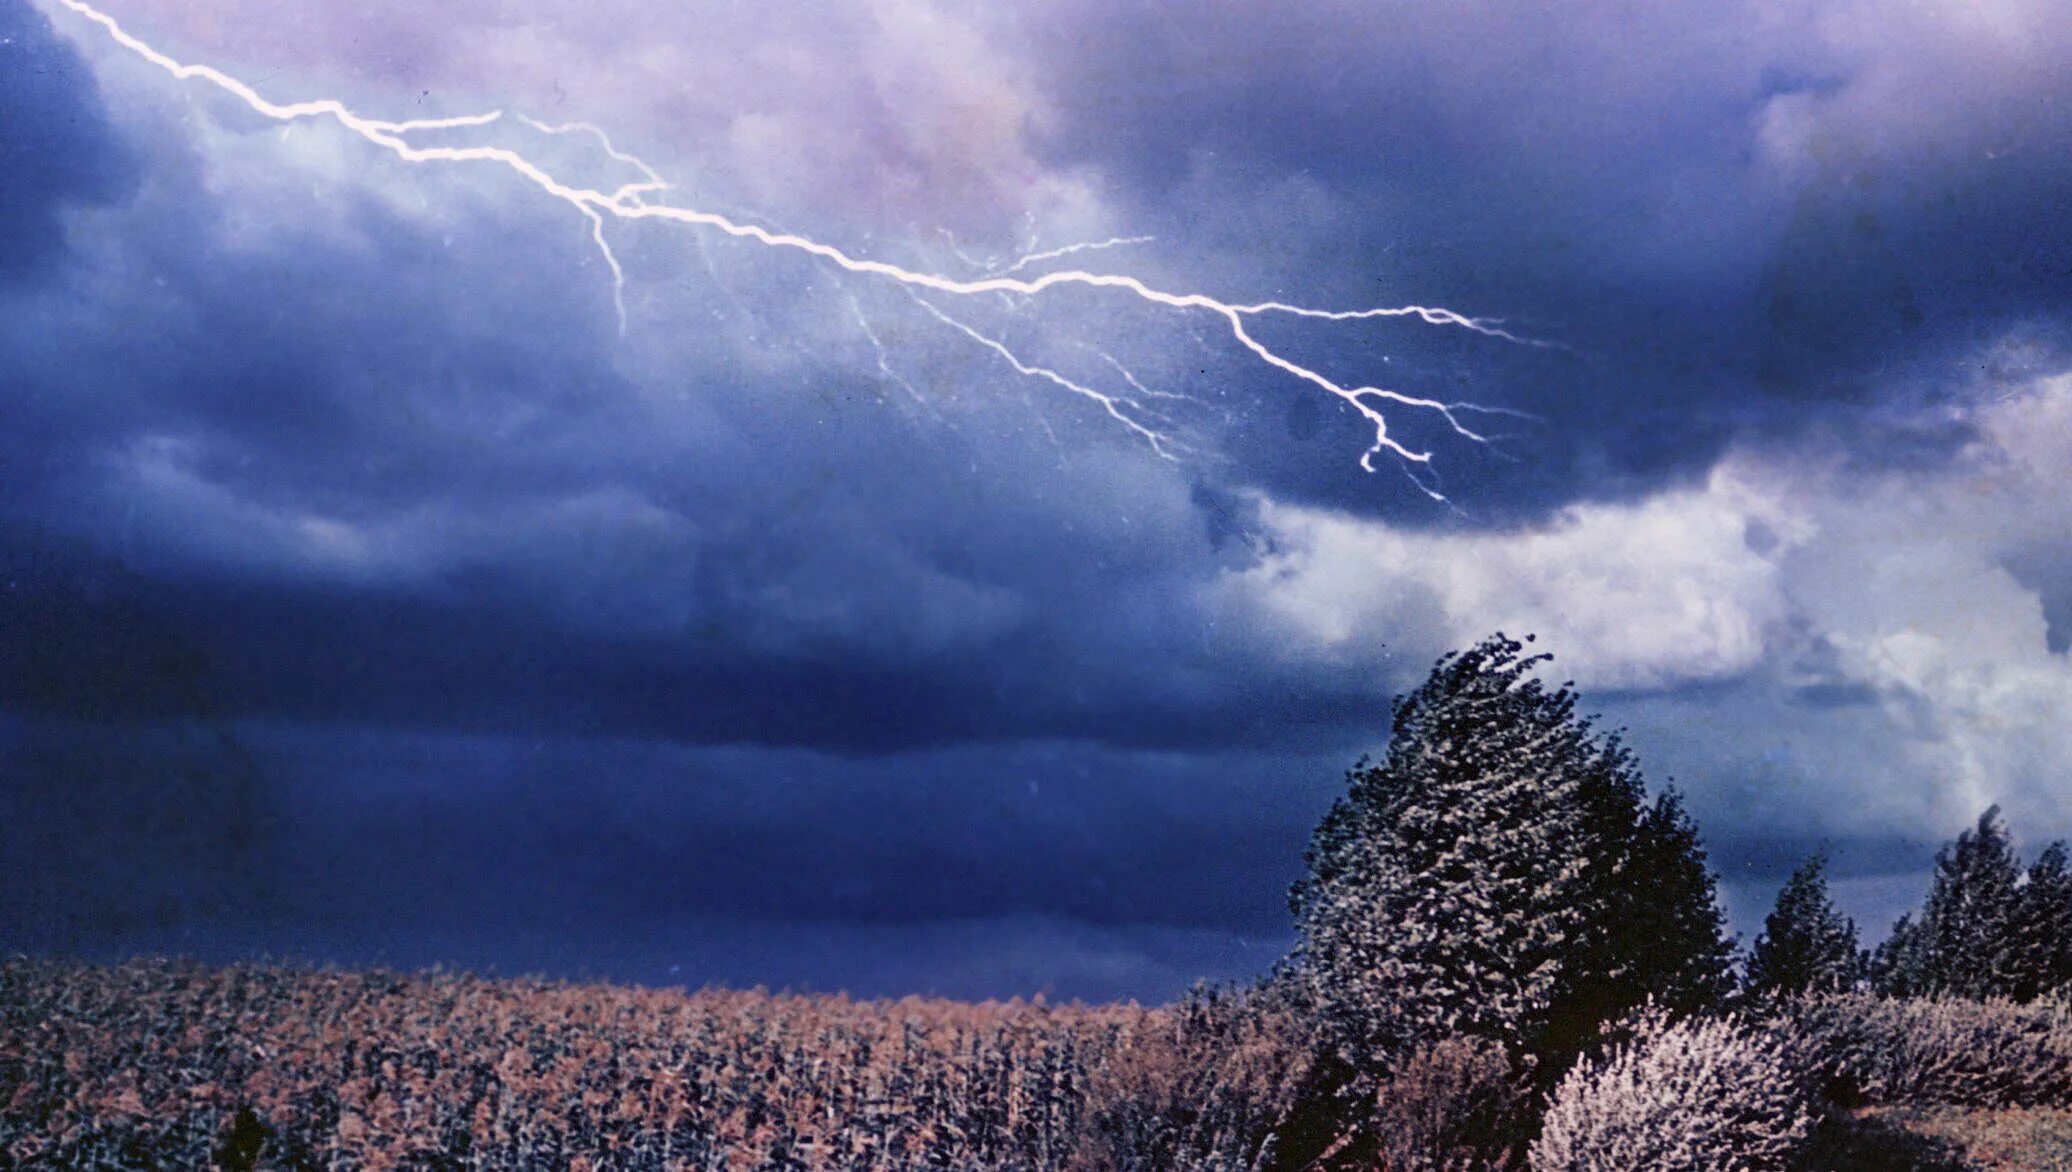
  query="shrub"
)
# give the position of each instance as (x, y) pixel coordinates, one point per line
(1457, 1106)
(1704, 1095)
(1890, 1051)
(1212, 1083)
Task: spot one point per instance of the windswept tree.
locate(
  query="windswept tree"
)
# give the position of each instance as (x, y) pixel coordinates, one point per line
(1499, 872)
(1806, 946)
(2039, 958)
(1964, 942)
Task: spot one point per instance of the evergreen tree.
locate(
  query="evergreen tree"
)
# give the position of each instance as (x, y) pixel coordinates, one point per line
(1901, 966)
(1970, 912)
(1499, 873)
(2039, 957)
(1806, 946)
(1670, 924)
(1965, 942)
(1655, 931)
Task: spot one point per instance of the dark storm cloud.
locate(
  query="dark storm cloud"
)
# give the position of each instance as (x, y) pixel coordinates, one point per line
(91, 638)
(1743, 218)
(313, 428)
(308, 433)
(56, 150)
(708, 864)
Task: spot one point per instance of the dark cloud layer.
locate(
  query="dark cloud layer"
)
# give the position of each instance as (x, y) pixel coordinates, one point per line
(1745, 217)
(518, 852)
(58, 151)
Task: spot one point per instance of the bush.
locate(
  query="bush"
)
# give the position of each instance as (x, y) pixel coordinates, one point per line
(1215, 1082)
(1457, 1106)
(1231, 1080)
(1920, 1051)
(1702, 1095)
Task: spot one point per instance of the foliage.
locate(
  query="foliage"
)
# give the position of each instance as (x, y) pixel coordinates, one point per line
(2039, 959)
(1903, 962)
(1970, 913)
(1214, 1083)
(1699, 1095)
(1499, 874)
(1858, 1049)
(1658, 930)
(1988, 929)
(1806, 946)
(1458, 1105)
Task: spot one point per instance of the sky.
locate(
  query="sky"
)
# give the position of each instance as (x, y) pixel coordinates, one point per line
(384, 583)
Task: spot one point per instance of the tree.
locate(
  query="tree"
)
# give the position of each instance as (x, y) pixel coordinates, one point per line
(1964, 943)
(1499, 873)
(1806, 946)
(1666, 928)
(2039, 956)
(1902, 965)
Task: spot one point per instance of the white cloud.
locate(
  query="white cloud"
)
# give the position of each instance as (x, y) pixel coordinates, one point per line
(1888, 671)
(1647, 595)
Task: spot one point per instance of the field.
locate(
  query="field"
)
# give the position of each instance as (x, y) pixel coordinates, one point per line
(167, 1065)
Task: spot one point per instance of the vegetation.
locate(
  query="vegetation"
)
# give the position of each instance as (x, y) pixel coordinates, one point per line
(1500, 874)
(1690, 1096)
(1863, 1049)
(168, 1066)
(1988, 929)
(1507, 954)
(1806, 946)
(1216, 1082)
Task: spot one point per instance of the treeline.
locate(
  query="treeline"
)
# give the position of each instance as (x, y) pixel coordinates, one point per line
(1990, 928)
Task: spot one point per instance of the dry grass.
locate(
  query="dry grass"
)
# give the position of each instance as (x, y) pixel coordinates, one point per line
(165, 1065)
(2006, 1140)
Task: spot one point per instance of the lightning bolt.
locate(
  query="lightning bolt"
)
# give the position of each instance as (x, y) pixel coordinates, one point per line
(631, 202)
(1069, 249)
(1109, 403)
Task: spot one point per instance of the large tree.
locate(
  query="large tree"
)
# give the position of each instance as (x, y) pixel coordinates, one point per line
(1500, 872)
(1806, 946)
(1965, 942)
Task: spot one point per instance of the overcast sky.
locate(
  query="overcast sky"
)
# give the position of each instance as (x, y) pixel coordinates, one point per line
(368, 594)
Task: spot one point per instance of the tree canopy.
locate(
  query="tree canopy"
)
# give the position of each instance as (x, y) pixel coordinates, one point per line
(1988, 929)
(1806, 946)
(1500, 872)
